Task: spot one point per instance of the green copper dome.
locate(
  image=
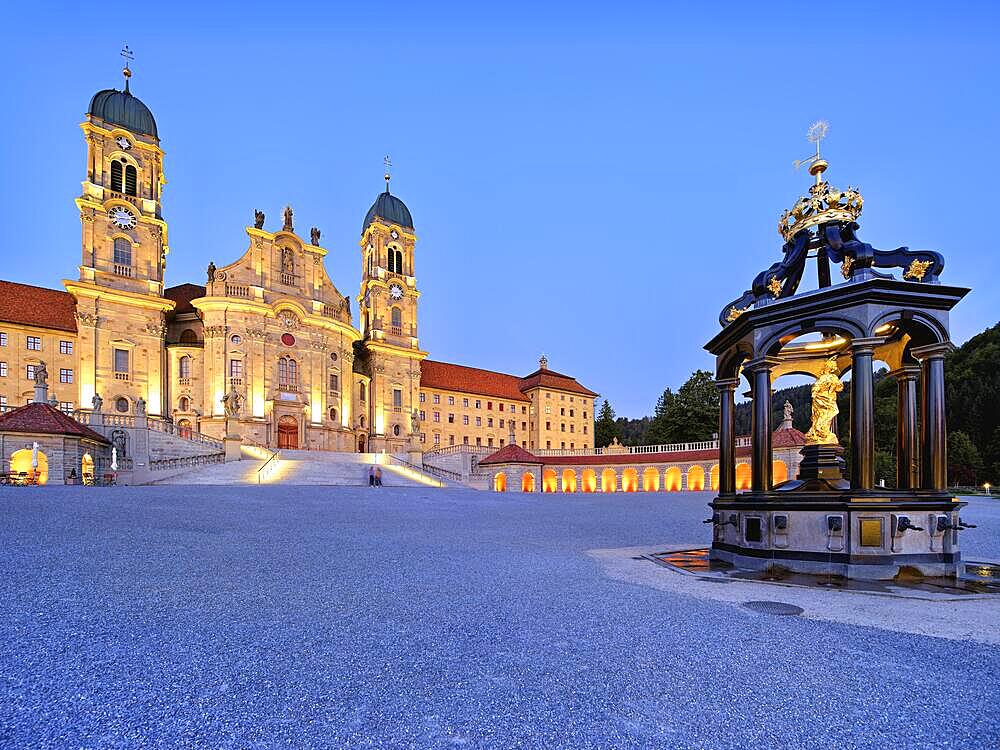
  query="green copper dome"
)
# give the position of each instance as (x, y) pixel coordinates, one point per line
(390, 209)
(121, 108)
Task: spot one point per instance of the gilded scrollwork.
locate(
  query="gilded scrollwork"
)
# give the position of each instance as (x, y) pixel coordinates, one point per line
(917, 269)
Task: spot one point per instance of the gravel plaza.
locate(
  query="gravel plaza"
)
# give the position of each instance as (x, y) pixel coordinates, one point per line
(313, 617)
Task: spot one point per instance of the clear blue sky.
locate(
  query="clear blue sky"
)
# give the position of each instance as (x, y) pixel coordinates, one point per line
(591, 181)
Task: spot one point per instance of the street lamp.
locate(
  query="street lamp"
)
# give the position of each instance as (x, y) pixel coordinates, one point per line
(986, 487)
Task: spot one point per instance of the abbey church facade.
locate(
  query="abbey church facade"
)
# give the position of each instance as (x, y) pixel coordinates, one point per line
(269, 341)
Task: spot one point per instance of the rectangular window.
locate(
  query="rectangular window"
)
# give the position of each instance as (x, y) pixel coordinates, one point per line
(3, 339)
(489, 442)
(423, 437)
(562, 412)
(570, 398)
(451, 400)
(437, 438)
(562, 427)
(572, 446)
(489, 406)
(236, 368)
(585, 429)
(501, 423)
(451, 419)
(479, 441)
(437, 416)
(489, 421)
(524, 425)
(479, 421)
(572, 428)
(66, 407)
(30, 372)
(422, 396)
(524, 409)
(548, 408)
(465, 403)
(465, 440)
(65, 375)
(437, 398)
(451, 440)
(397, 398)
(423, 415)
(334, 382)
(34, 343)
(501, 406)
(65, 347)
(477, 403)
(465, 419)
(548, 425)
(548, 444)
(571, 412)
(121, 360)
(3, 369)
(501, 442)
(3, 401)
(562, 446)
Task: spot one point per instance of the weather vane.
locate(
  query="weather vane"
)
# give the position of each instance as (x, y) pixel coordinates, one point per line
(388, 165)
(127, 54)
(816, 133)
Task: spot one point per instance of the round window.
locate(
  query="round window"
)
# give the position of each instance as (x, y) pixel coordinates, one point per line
(121, 405)
(395, 430)
(287, 339)
(333, 356)
(236, 339)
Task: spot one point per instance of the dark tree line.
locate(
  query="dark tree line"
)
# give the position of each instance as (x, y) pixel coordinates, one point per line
(972, 376)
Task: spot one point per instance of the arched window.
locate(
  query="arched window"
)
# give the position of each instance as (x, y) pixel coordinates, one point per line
(189, 337)
(397, 317)
(184, 367)
(288, 371)
(131, 180)
(123, 252)
(361, 391)
(395, 261)
(116, 176)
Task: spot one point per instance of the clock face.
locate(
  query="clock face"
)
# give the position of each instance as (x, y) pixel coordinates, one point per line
(123, 142)
(121, 217)
(396, 291)
(394, 234)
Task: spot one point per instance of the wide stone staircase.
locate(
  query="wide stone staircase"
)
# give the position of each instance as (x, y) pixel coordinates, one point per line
(310, 468)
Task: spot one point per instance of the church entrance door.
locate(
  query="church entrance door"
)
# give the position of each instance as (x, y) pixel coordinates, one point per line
(361, 444)
(288, 432)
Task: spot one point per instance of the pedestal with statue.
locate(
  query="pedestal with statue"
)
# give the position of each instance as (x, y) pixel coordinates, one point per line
(232, 403)
(829, 519)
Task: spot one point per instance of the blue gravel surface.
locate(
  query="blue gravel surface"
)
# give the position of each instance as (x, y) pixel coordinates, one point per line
(304, 617)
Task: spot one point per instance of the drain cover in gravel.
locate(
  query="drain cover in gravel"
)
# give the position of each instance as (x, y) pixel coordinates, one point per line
(774, 608)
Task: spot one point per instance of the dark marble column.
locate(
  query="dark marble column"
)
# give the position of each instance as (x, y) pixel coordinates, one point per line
(760, 463)
(727, 436)
(934, 433)
(907, 458)
(862, 414)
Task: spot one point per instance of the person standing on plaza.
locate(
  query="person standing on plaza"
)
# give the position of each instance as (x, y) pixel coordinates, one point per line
(378, 476)
(371, 476)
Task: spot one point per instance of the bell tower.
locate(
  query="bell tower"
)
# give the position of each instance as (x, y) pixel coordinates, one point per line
(388, 308)
(119, 293)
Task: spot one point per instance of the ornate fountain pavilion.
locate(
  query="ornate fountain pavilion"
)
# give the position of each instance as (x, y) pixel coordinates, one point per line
(821, 521)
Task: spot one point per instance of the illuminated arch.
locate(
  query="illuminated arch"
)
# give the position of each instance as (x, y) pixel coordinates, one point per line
(527, 482)
(630, 480)
(696, 479)
(549, 480)
(568, 480)
(743, 476)
(779, 471)
(588, 481)
(672, 479)
(609, 480)
(20, 463)
(714, 478)
(651, 479)
(86, 469)
(500, 482)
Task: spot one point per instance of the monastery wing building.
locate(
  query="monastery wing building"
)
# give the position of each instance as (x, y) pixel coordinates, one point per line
(269, 332)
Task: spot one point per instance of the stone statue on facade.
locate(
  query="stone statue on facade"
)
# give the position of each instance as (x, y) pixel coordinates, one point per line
(211, 272)
(140, 407)
(232, 402)
(788, 411)
(314, 235)
(824, 405)
(41, 374)
(97, 403)
(288, 220)
(258, 219)
(415, 422)
(287, 260)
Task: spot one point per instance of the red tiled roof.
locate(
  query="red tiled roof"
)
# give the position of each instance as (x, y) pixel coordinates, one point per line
(37, 306)
(788, 437)
(44, 419)
(512, 453)
(182, 294)
(445, 376)
(556, 380)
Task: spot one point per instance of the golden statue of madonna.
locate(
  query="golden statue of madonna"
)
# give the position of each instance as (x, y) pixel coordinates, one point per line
(824, 405)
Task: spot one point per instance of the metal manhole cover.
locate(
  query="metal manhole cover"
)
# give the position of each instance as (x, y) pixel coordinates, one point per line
(774, 608)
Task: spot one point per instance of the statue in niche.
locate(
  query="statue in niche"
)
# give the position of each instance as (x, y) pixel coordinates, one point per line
(140, 407)
(41, 374)
(287, 260)
(211, 272)
(824, 405)
(97, 403)
(232, 402)
(288, 220)
(119, 439)
(258, 219)
(314, 235)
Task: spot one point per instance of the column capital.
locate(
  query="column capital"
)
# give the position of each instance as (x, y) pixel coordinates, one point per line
(866, 345)
(727, 384)
(933, 351)
(761, 363)
(906, 372)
